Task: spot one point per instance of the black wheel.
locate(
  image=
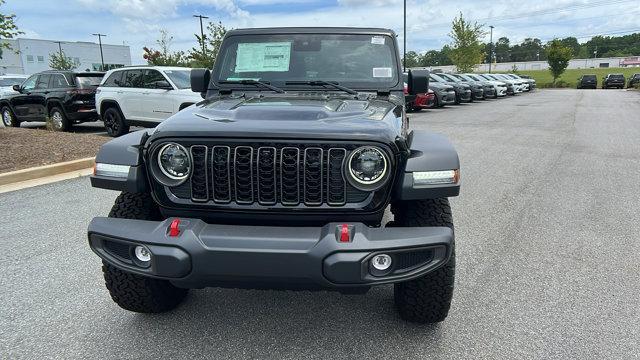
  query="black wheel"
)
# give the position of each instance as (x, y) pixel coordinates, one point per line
(58, 121)
(131, 291)
(436, 102)
(114, 122)
(426, 299)
(8, 118)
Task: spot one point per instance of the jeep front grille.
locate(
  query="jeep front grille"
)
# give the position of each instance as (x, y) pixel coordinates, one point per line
(278, 174)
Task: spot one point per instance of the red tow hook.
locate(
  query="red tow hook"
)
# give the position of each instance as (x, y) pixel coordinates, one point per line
(344, 233)
(174, 229)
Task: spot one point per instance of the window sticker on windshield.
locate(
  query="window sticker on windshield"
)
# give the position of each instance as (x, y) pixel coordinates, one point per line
(377, 40)
(261, 57)
(382, 72)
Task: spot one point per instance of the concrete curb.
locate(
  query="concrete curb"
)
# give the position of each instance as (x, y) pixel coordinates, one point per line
(45, 171)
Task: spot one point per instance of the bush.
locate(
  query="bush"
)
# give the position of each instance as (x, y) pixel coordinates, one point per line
(558, 84)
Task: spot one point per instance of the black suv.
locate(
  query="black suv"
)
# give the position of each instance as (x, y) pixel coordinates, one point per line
(66, 97)
(633, 80)
(613, 81)
(281, 178)
(588, 82)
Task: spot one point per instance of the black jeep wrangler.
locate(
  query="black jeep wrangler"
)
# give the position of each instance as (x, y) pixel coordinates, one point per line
(281, 178)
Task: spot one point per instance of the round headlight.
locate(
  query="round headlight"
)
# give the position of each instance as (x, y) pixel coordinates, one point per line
(367, 167)
(174, 161)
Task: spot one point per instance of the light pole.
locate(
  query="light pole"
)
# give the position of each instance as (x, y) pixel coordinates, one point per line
(202, 32)
(490, 47)
(101, 55)
(60, 48)
(404, 38)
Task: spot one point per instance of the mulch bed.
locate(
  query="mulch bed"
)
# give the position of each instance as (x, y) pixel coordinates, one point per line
(22, 148)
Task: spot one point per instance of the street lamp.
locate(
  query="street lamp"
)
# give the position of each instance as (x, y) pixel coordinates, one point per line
(491, 47)
(202, 32)
(101, 55)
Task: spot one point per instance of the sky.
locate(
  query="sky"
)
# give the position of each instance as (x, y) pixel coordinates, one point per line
(137, 22)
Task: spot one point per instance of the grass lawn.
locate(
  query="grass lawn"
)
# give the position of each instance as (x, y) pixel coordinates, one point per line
(571, 75)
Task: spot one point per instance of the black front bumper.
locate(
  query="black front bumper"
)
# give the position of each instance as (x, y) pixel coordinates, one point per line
(269, 257)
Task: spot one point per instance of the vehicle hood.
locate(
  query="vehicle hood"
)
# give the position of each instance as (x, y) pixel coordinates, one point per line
(287, 116)
(440, 86)
(459, 85)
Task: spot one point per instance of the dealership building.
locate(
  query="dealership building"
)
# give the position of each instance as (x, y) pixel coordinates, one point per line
(28, 56)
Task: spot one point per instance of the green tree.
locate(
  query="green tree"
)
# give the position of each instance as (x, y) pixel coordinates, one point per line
(164, 56)
(502, 50)
(59, 61)
(211, 41)
(8, 29)
(413, 59)
(466, 49)
(558, 57)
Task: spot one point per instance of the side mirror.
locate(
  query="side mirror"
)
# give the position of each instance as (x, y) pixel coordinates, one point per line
(16, 88)
(200, 80)
(418, 81)
(163, 84)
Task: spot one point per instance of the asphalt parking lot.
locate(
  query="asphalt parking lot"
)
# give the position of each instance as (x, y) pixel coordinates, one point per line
(547, 249)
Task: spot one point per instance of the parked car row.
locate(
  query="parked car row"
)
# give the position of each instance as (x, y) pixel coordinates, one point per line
(142, 96)
(590, 81)
(447, 89)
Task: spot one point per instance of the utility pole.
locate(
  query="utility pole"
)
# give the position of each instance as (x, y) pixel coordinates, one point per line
(404, 38)
(101, 55)
(491, 47)
(202, 32)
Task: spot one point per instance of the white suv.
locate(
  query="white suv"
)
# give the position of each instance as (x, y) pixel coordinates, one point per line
(143, 96)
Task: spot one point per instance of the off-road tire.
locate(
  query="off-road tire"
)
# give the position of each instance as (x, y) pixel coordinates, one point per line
(134, 292)
(426, 299)
(13, 121)
(58, 120)
(114, 122)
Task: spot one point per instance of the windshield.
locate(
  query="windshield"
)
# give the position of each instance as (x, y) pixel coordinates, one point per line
(87, 81)
(616, 76)
(355, 61)
(11, 81)
(450, 77)
(474, 77)
(438, 78)
(181, 78)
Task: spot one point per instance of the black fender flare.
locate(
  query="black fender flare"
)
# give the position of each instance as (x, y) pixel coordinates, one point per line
(428, 151)
(124, 150)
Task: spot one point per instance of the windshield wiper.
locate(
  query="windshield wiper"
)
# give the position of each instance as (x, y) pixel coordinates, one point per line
(323, 83)
(252, 82)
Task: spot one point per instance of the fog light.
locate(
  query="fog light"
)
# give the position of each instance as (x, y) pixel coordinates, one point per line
(142, 254)
(381, 262)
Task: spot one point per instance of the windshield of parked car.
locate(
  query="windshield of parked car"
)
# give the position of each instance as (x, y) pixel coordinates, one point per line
(438, 78)
(473, 77)
(181, 78)
(450, 77)
(11, 81)
(354, 61)
(88, 81)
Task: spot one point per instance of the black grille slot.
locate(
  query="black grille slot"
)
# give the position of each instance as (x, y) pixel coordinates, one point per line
(336, 184)
(266, 171)
(313, 165)
(289, 176)
(408, 260)
(243, 160)
(118, 249)
(199, 184)
(221, 173)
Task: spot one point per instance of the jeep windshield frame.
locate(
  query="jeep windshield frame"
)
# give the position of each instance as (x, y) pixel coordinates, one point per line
(295, 61)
